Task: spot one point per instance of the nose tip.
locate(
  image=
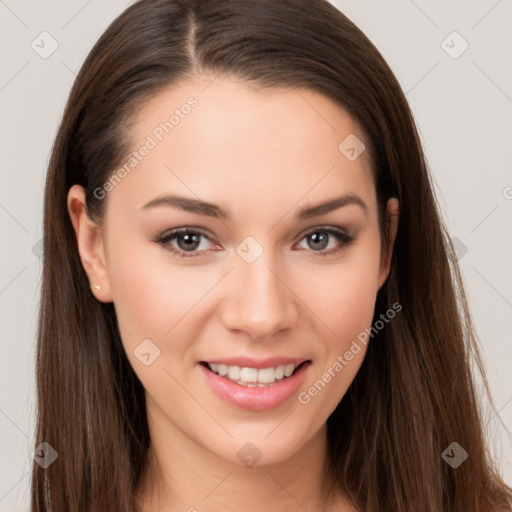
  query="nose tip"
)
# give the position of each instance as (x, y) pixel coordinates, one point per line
(260, 304)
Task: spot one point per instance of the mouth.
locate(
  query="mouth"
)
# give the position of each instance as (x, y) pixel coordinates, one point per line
(255, 385)
(251, 377)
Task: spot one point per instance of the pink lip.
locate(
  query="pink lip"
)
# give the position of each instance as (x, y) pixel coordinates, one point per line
(249, 362)
(255, 398)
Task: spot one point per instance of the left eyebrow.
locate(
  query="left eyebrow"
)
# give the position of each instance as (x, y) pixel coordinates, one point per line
(331, 205)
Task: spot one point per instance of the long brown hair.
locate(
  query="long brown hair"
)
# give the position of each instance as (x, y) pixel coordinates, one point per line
(409, 400)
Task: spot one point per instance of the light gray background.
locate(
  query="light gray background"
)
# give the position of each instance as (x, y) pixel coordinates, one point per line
(462, 106)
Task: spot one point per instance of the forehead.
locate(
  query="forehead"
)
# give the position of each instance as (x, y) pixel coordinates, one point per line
(221, 139)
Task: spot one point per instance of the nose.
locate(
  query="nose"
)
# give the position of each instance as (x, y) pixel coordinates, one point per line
(259, 300)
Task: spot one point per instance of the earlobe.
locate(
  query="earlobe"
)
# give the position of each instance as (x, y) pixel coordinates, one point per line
(90, 244)
(392, 216)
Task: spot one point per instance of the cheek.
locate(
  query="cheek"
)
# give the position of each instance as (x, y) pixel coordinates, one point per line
(151, 292)
(343, 295)
(345, 301)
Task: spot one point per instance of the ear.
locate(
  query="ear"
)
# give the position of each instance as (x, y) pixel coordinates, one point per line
(392, 216)
(90, 244)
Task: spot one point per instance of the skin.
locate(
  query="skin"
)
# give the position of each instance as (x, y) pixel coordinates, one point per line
(261, 154)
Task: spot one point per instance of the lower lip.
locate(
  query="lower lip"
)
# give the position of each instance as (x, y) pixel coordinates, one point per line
(256, 399)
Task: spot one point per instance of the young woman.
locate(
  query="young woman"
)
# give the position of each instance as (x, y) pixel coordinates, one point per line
(248, 291)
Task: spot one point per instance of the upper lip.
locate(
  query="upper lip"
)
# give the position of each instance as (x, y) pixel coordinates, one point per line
(250, 362)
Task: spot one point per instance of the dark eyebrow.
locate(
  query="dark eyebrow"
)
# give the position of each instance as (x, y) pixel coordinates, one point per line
(330, 205)
(189, 205)
(212, 210)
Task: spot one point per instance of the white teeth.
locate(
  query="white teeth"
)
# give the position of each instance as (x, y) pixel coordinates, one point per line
(252, 377)
(280, 372)
(234, 372)
(263, 375)
(246, 374)
(288, 369)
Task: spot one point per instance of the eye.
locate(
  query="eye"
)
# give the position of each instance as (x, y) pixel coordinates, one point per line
(188, 242)
(319, 240)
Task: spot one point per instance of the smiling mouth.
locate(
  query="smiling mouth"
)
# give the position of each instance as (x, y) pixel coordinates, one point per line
(254, 377)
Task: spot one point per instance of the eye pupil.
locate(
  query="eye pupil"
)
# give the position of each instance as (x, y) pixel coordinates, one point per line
(191, 241)
(319, 240)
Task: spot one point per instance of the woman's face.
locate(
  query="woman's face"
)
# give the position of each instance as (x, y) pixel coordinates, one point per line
(257, 278)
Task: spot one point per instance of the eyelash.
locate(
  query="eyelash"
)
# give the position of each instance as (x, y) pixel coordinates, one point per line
(344, 239)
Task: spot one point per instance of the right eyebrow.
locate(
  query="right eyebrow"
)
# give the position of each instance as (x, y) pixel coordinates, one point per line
(189, 205)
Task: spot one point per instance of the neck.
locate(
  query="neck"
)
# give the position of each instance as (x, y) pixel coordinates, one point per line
(183, 475)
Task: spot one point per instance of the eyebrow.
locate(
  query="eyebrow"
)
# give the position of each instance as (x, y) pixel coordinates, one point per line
(212, 210)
